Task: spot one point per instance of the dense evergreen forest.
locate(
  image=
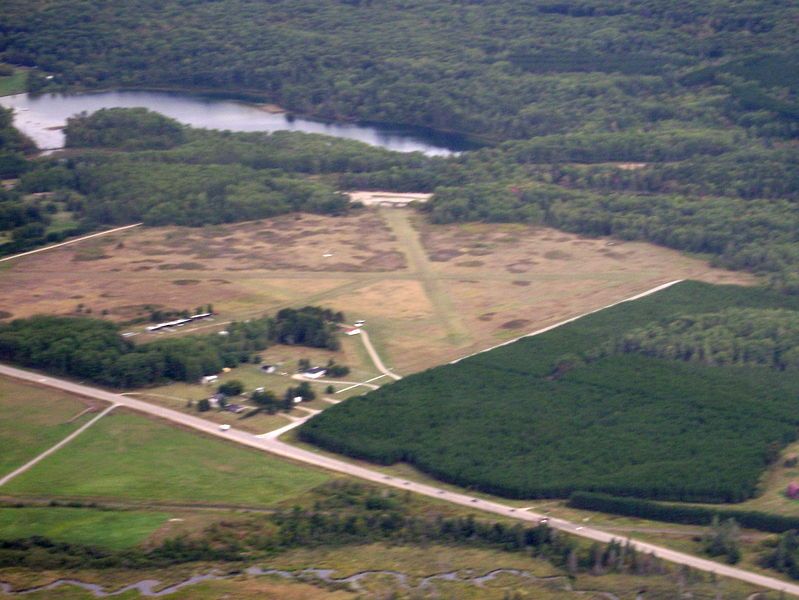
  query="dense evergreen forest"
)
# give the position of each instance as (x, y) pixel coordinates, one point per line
(93, 349)
(506, 422)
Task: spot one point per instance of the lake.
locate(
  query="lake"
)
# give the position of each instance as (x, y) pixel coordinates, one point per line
(41, 118)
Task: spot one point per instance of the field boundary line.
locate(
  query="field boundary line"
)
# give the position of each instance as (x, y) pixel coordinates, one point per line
(59, 445)
(75, 241)
(571, 320)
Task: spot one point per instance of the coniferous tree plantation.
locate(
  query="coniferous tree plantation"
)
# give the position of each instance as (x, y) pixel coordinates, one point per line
(525, 421)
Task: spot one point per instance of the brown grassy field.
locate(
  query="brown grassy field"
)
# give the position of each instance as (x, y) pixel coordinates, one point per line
(429, 293)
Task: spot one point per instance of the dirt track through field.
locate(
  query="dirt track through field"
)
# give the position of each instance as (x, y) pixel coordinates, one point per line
(420, 268)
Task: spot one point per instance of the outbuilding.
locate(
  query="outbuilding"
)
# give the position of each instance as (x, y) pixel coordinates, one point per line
(315, 373)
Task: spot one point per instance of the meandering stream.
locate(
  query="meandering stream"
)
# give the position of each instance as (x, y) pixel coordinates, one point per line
(152, 587)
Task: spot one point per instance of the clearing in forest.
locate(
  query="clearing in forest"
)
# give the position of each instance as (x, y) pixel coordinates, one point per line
(429, 293)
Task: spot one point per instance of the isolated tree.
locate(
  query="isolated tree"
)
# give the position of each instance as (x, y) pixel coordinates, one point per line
(234, 387)
(266, 400)
(203, 405)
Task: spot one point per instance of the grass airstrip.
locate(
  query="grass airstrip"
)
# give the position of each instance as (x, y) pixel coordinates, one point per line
(429, 294)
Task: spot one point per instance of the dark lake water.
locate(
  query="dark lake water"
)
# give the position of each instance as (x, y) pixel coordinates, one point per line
(40, 118)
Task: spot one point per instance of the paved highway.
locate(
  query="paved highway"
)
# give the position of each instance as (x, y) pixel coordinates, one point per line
(270, 443)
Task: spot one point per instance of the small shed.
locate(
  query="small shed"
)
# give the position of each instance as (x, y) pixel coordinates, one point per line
(315, 373)
(209, 379)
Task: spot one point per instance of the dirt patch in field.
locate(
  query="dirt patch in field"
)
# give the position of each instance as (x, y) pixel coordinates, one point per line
(445, 255)
(520, 282)
(516, 324)
(558, 254)
(186, 281)
(185, 266)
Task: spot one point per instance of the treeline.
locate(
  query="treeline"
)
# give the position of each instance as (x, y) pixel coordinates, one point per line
(623, 425)
(734, 336)
(759, 236)
(349, 515)
(124, 189)
(93, 349)
(754, 173)
(684, 514)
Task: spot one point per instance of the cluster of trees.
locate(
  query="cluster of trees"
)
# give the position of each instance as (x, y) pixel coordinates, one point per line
(26, 220)
(308, 326)
(722, 540)
(687, 515)
(93, 349)
(734, 336)
(630, 426)
(785, 556)
(124, 129)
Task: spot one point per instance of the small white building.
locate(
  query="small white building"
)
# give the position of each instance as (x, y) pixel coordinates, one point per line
(297, 399)
(352, 330)
(315, 373)
(208, 379)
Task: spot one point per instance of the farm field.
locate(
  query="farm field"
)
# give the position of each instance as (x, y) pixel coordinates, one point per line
(32, 419)
(428, 293)
(626, 425)
(130, 457)
(105, 528)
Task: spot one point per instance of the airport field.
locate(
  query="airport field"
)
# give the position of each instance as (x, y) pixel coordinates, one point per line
(428, 293)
